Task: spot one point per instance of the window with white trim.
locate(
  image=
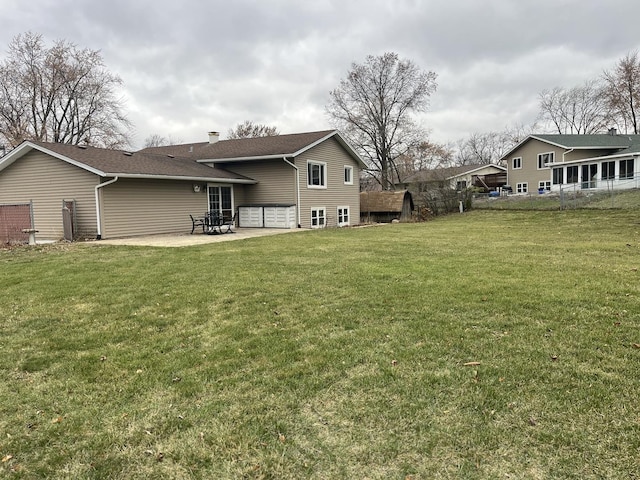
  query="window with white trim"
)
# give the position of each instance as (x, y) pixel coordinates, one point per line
(545, 185)
(522, 187)
(348, 175)
(343, 216)
(572, 174)
(517, 163)
(544, 159)
(626, 169)
(608, 170)
(316, 174)
(318, 217)
(558, 176)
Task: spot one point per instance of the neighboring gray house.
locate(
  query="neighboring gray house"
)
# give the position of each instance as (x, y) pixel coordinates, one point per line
(486, 177)
(577, 162)
(307, 180)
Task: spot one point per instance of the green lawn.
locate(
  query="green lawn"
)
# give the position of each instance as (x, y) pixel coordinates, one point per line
(330, 354)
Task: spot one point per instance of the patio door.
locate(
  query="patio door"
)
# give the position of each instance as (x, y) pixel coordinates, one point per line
(221, 200)
(589, 173)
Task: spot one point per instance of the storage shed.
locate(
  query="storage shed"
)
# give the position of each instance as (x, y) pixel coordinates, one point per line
(384, 207)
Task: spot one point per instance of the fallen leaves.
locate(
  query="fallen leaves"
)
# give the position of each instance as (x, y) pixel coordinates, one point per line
(6, 458)
(471, 364)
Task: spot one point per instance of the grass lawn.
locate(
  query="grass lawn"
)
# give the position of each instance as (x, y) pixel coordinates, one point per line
(484, 345)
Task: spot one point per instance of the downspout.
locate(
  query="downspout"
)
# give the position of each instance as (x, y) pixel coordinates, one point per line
(563, 161)
(564, 153)
(99, 220)
(297, 189)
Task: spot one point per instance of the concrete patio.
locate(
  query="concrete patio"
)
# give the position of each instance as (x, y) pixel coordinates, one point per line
(185, 240)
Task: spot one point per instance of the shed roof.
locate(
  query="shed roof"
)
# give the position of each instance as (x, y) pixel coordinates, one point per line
(384, 201)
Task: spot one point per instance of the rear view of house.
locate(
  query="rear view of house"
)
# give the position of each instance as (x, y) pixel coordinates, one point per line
(307, 180)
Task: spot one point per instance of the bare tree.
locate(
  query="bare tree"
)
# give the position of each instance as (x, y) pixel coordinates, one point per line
(578, 110)
(248, 129)
(157, 140)
(623, 92)
(60, 94)
(489, 147)
(373, 107)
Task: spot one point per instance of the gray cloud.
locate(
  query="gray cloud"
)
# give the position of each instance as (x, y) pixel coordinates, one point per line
(189, 67)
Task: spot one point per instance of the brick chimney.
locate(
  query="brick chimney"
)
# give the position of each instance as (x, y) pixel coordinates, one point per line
(214, 137)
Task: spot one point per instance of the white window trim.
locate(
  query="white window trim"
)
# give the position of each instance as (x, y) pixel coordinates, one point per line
(522, 187)
(324, 216)
(513, 163)
(350, 169)
(348, 209)
(552, 156)
(544, 184)
(324, 167)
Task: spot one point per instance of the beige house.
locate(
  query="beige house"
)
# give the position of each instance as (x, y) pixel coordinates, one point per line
(577, 162)
(307, 180)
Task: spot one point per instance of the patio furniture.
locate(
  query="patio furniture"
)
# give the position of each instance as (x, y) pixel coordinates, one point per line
(198, 222)
(229, 223)
(213, 220)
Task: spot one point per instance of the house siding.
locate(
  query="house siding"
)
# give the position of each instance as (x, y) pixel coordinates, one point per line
(530, 174)
(337, 194)
(146, 207)
(276, 182)
(47, 181)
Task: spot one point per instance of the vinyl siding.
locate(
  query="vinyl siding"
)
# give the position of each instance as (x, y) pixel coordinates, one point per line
(276, 182)
(529, 153)
(47, 181)
(146, 207)
(337, 194)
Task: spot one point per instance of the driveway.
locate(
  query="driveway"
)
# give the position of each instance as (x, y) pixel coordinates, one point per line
(185, 240)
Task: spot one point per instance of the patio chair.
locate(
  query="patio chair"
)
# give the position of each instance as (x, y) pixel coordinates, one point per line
(197, 222)
(229, 223)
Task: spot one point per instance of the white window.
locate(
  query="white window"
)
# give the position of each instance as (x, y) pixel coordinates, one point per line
(522, 187)
(343, 216)
(517, 163)
(348, 175)
(318, 217)
(544, 159)
(316, 174)
(544, 185)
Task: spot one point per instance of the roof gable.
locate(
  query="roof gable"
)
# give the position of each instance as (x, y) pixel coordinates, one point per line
(110, 163)
(441, 174)
(600, 141)
(256, 148)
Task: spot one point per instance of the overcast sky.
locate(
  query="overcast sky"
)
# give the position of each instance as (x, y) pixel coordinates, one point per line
(190, 67)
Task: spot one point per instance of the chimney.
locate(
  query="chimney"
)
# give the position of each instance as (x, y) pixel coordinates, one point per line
(613, 132)
(214, 137)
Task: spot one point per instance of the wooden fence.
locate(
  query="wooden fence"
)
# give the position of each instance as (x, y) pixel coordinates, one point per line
(13, 219)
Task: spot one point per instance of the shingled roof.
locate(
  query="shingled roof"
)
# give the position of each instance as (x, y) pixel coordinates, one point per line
(111, 163)
(183, 161)
(386, 201)
(277, 146)
(616, 143)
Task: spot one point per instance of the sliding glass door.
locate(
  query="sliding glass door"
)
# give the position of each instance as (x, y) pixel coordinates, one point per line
(221, 201)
